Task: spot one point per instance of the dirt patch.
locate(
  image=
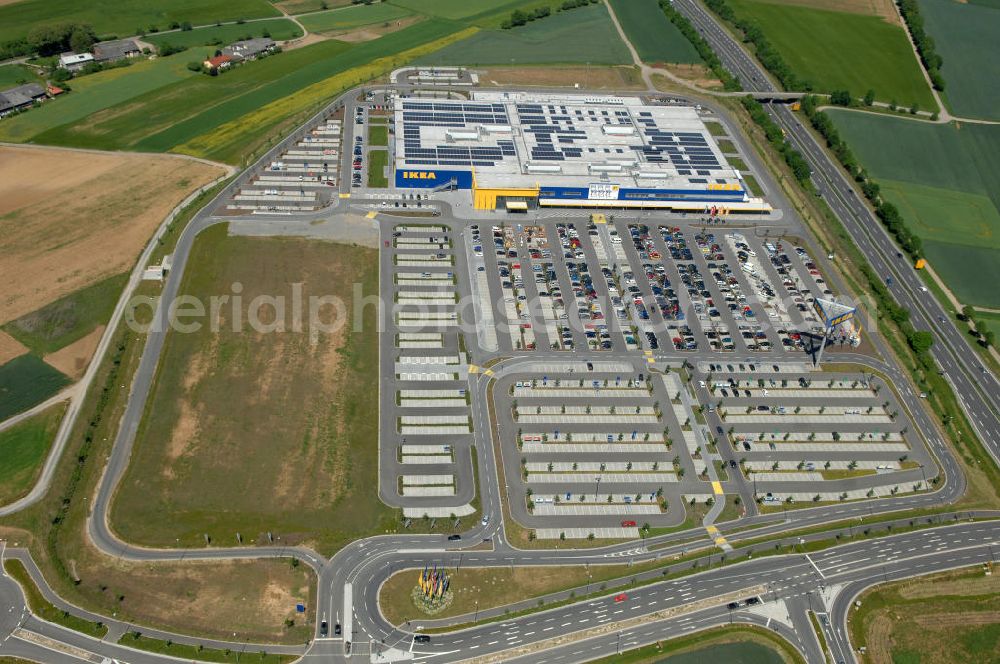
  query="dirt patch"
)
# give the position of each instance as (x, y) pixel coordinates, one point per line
(964, 619)
(59, 234)
(597, 78)
(371, 32)
(979, 586)
(73, 359)
(311, 38)
(9, 2)
(10, 348)
(884, 9)
(879, 640)
(695, 74)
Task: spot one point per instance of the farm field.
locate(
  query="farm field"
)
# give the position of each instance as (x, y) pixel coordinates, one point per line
(96, 92)
(458, 9)
(303, 6)
(948, 617)
(278, 29)
(945, 180)
(12, 75)
(124, 17)
(966, 38)
(59, 235)
(27, 381)
(652, 34)
(23, 449)
(834, 50)
(590, 78)
(353, 17)
(226, 117)
(68, 319)
(575, 36)
(306, 440)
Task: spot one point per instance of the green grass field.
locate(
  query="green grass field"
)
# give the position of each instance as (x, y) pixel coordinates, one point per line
(124, 17)
(12, 75)
(353, 17)
(278, 29)
(301, 458)
(839, 50)
(577, 36)
(26, 381)
(378, 135)
(69, 318)
(989, 320)
(946, 181)
(654, 37)
(23, 449)
(169, 115)
(98, 92)
(458, 9)
(377, 161)
(966, 37)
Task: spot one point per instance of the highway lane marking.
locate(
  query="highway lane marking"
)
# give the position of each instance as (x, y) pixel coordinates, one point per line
(818, 571)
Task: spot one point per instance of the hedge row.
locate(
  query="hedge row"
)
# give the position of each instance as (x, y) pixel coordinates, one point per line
(887, 212)
(766, 54)
(729, 81)
(924, 42)
(776, 137)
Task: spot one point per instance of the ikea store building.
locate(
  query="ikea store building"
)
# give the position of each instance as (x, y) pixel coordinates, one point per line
(519, 150)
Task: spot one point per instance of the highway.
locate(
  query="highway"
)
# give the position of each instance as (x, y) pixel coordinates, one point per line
(975, 387)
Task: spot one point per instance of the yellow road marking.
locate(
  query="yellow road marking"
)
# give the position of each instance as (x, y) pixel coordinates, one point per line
(717, 488)
(372, 214)
(473, 369)
(488, 372)
(347, 195)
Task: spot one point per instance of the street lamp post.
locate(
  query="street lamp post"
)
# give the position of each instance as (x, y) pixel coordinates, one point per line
(598, 487)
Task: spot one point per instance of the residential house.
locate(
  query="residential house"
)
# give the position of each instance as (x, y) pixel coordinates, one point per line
(249, 49)
(75, 61)
(218, 62)
(112, 51)
(20, 97)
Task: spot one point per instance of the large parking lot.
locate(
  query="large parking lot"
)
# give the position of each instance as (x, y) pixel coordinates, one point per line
(598, 284)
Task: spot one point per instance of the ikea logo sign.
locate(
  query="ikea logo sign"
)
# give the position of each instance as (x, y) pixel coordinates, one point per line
(419, 175)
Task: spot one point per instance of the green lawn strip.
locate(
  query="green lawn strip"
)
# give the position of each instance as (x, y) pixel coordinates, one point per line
(585, 34)
(200, 653)
(353, 17)
(819, 635)
(737, 163)
(26, 381)
(654, 37)
(716, 129)
(727, 147)
(707, 645)
(834, 50)
(13, 75)
(378, 135)
(377, 161)
(44, 609)
(752, 184)
(124, 17)
(23, 449)
(69, 318)
(96, 92)
(278, 29)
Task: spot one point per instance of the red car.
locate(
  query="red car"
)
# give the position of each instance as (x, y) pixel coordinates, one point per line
(621, 597)
(628, 524)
